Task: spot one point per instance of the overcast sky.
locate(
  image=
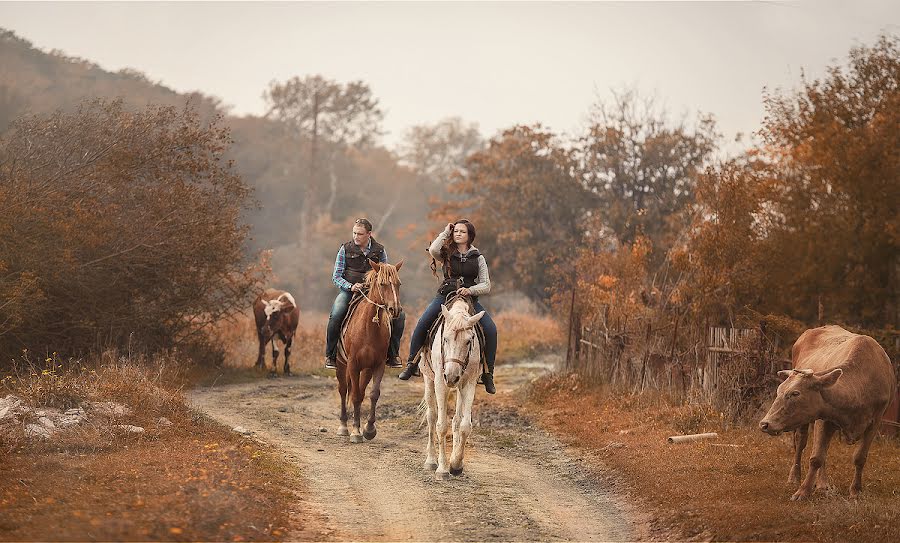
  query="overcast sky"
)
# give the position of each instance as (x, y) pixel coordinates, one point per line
(496, 64)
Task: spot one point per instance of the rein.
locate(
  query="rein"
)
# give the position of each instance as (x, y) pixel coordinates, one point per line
(381, 307)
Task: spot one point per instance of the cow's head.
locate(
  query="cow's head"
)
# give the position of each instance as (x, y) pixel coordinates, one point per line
(275, 311)
(798, 400)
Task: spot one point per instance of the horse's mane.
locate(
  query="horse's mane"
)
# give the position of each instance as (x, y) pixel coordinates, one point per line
(387, 273)
(457, 321)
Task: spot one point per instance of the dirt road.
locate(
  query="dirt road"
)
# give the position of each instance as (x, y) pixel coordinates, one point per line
(519, 483)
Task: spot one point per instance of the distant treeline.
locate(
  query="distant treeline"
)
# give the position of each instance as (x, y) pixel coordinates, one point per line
(636, 214)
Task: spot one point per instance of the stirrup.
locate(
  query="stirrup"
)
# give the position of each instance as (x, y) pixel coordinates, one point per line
(412, 369)
(330, 363)
(393, 362)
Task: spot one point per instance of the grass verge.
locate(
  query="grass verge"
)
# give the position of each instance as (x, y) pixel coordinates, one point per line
(731, 489)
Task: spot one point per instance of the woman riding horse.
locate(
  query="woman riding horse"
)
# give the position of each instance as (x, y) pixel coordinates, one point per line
(462, 263)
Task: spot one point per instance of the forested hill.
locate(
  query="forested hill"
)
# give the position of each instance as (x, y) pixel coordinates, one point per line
(350, 180)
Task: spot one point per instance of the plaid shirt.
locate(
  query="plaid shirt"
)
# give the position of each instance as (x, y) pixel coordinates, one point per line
(340, 264)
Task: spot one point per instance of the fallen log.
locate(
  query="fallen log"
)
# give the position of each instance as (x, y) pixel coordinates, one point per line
(692, 437)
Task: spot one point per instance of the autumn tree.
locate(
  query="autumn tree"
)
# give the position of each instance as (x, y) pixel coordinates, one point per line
(437, 151)
(642, 167)
(834, 151)
(118, 227)
(527, 205)
(726, 258)
(329, 115)
(809, 228)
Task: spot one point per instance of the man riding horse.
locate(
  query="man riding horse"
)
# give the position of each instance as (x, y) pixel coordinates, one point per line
(350, 268)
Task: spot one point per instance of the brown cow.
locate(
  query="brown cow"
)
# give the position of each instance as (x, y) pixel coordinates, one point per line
(839, 381)
(277, 314)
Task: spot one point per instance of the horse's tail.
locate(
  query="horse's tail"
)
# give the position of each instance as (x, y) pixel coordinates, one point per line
(422, 411)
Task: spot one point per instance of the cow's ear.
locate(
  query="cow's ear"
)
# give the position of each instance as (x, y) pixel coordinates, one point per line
(399, 265)
(375, 265)
(784, 374)
(829, 378)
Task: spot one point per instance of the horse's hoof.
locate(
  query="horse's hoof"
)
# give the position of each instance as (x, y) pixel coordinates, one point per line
(370, 435)
(287, 373)
(430, 466)
(456, 471)
(442, 476)
(273, 374)
(343, 431)
(356, 438)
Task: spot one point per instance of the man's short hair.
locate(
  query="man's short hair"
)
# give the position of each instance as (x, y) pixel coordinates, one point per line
(365, 223)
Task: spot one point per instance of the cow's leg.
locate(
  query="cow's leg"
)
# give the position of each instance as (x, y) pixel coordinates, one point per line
(442, 426)
(822, 439)
(342, 390)
(287, 354)
(376, 393)
(260, 358)
(801, 436)
(430, 418)
(464, 400)
(356, 394)
(860, 455)
(274, 372)
(822, 481)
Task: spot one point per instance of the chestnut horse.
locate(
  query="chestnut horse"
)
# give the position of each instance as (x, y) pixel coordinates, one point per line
(364, 348)
(452, 362)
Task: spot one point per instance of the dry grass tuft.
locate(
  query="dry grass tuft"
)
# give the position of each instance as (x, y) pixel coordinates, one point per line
(191, 480)
(525, 335)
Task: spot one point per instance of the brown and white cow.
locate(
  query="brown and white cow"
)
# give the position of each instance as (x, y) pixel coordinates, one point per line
(839, 381)
(277, 314)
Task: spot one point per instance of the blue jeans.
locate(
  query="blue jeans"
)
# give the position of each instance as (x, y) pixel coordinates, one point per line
(339, 311)
(431, 313)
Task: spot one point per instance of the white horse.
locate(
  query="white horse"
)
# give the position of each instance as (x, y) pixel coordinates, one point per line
(454, 362)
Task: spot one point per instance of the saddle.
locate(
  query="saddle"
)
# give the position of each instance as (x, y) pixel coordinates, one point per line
(354, 304)
(479, 330)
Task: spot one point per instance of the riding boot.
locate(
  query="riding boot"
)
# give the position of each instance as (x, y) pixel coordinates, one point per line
(487, 379)
(412, 368)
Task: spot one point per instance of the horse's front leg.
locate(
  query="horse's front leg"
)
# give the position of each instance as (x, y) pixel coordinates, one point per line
(430, 418)
(274, 372)
(370, 431)
(356, 393)
(443, 426)
(465, 398)
(343, 389)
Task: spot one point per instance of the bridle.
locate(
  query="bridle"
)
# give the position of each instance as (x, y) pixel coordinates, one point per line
(465, 364)
(382, 307)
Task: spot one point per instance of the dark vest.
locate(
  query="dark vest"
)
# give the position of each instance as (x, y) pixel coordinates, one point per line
(356, 266)
(464, 266)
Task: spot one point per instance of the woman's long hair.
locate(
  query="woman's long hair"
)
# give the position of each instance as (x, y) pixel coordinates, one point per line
(449, 247)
